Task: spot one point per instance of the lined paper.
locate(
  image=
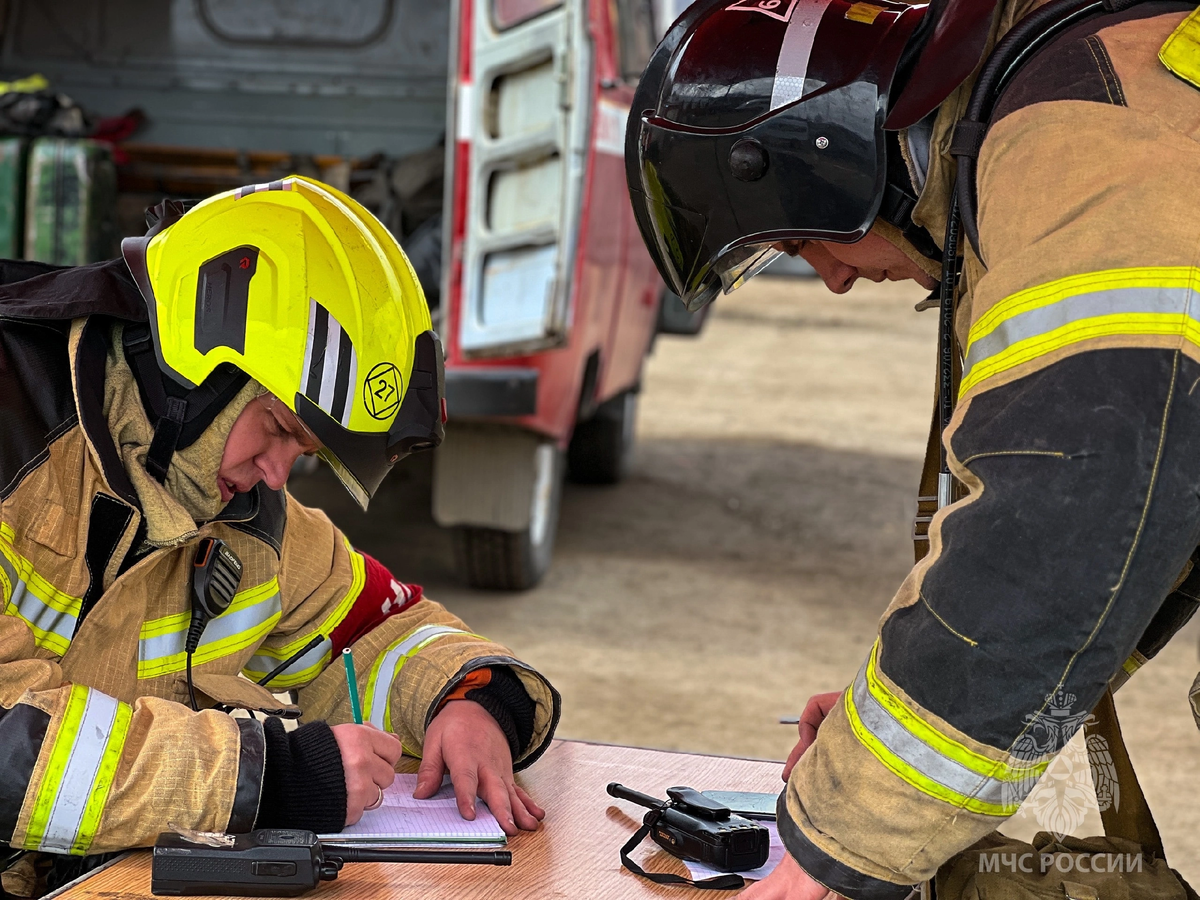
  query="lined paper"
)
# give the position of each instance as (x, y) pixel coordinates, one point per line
(402, 819)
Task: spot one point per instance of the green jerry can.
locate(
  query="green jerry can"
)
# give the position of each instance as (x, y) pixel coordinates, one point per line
(12, 195)
(70, 202)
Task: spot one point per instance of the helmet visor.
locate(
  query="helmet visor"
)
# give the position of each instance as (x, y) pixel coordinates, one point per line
(740, 264)
(685, 256)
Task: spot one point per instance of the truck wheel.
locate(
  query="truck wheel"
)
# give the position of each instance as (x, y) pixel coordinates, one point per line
(499, 560)
(600, 447)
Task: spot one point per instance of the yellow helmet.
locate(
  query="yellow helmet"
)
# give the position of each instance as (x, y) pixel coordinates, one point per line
(305, 291)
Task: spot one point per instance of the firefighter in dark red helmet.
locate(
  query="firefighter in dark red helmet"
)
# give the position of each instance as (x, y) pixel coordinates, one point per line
(1060, 557)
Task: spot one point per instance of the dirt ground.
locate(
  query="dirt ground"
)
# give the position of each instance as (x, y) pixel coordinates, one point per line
(744, 563)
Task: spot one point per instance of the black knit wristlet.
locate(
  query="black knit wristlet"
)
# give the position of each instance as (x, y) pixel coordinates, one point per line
(304, 784)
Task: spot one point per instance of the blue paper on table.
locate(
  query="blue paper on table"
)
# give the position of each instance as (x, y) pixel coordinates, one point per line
(403, 820)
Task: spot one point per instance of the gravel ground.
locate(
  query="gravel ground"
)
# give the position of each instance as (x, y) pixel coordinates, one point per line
(744, 563)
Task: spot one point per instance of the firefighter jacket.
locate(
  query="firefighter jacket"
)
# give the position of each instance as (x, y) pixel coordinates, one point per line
(100, 751)
(1075, 437)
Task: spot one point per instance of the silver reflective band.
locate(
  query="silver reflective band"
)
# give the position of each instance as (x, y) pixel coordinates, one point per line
(53, 628)
(83, 765)
(1079, 307)
(916, 753)
(389, 667)
(233, 630)
(791, 68)
(261, 663)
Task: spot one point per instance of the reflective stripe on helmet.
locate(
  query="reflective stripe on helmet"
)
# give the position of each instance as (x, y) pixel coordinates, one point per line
(792, 67)
(51, 615)
(1157, 301)
(928, 760)
(376, 708)
(330, 365)
(249, 618)
(83, 761)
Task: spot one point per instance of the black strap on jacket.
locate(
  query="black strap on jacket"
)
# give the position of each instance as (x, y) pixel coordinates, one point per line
(179, 415)
(718, 883)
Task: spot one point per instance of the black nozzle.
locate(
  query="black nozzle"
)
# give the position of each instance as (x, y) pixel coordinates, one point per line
(623, 793)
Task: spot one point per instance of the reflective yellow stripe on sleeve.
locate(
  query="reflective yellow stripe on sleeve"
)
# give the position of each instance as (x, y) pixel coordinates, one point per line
(79, 775)
(312, 663)
(1159, 301)
(249, 618)
(377, 708)
(933, 763)
(50, 614)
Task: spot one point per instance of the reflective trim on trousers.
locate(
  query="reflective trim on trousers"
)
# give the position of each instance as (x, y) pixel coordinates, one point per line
(249, 618)
(376, 707)
(1153, 301)
(931, 762)
(83, 761)
(51, 615)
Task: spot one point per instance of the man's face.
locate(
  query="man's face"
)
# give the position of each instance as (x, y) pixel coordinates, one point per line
(265, 441)
(873, 258)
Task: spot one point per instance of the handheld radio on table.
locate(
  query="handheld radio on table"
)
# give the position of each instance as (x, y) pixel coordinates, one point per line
(692, 826)
(274, 862)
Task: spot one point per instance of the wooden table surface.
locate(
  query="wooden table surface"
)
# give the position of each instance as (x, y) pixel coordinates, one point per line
(575, 854)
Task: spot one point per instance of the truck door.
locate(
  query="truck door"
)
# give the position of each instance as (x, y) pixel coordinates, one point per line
(520, 133)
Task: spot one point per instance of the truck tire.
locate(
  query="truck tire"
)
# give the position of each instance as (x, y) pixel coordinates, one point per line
(498, 560)
(600, 447)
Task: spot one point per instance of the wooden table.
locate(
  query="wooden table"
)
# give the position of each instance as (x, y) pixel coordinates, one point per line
(574, 854)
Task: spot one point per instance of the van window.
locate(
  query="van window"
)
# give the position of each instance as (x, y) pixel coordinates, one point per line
(507, 13)
(635, 31)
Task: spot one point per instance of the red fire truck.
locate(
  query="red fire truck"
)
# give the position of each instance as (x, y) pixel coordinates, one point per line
(521, 230)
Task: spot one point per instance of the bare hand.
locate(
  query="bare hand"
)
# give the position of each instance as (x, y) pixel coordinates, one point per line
(788, 882)
(369, 758)
(465, 739)
(814, 714)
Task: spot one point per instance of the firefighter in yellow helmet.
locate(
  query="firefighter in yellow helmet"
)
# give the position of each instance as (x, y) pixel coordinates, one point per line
(153, 406)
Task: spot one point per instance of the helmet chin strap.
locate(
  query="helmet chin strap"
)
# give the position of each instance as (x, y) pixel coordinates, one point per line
(179, 416)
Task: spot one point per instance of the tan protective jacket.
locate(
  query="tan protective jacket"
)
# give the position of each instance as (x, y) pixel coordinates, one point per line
(100, 751)
(1075, 435)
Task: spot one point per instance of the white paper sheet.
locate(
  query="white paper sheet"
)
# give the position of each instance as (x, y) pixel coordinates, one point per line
(699, 870)
(436, 820)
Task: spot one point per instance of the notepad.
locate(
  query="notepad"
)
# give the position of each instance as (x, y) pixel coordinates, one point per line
(401, 819)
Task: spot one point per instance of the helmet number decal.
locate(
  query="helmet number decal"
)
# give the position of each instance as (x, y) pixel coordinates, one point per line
(381, 391)
(776, 9)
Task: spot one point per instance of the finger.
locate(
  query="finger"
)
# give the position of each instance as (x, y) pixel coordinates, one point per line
(793, 758)
(386, 745)
(466, 782)
(381, 774)
(430, 772)
(813, 715)
(525, 819)
(494, 792)
(527, 801)
(827, 702)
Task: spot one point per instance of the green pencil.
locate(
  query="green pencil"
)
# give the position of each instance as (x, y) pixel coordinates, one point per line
(352, 685)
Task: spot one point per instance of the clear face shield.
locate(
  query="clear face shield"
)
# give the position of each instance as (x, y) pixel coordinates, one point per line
(681, 236)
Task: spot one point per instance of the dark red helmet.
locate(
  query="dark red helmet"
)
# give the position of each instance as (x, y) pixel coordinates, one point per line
(760, 121)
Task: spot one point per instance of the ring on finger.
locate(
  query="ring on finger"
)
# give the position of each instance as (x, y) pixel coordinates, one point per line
(378, 803)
